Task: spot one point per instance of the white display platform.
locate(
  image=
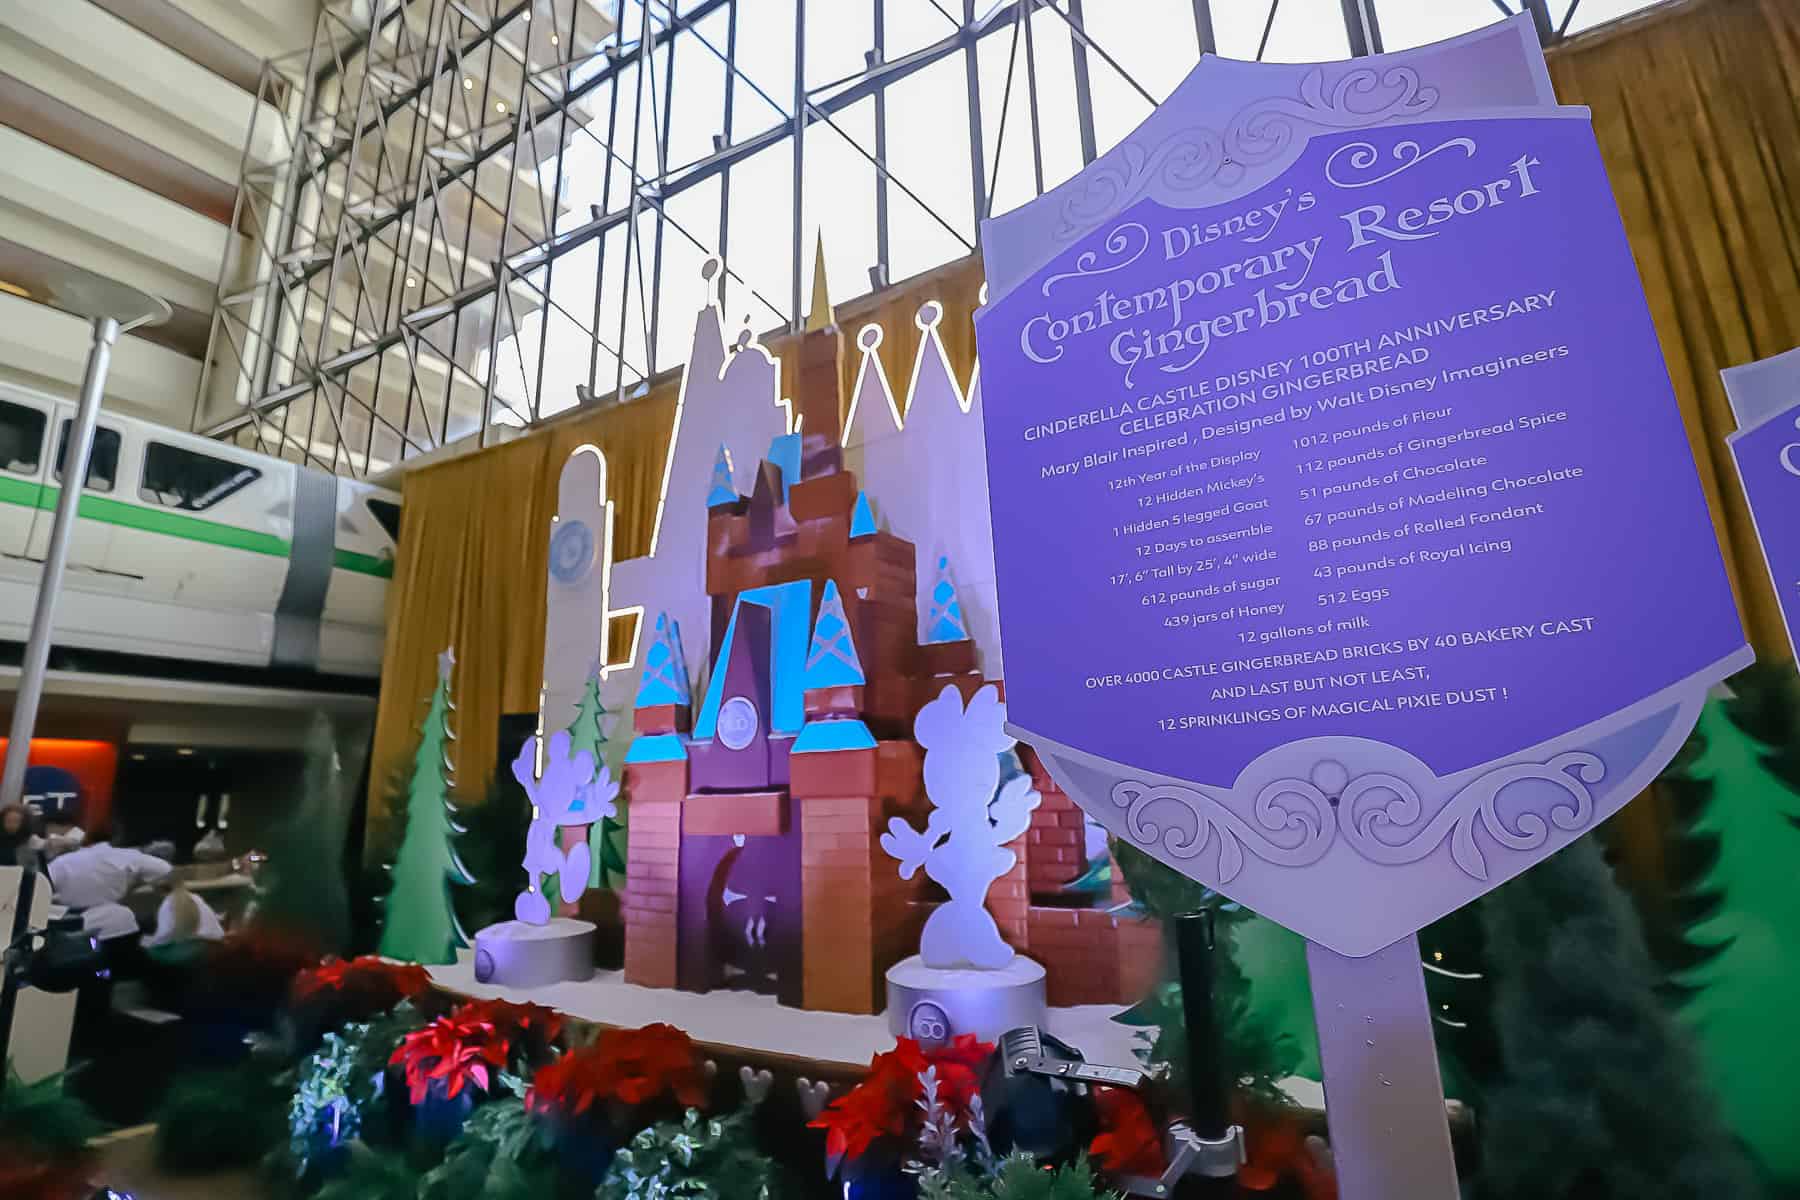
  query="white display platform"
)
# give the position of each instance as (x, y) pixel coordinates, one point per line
(518, 954)
(757, 1023)
(935, 1004)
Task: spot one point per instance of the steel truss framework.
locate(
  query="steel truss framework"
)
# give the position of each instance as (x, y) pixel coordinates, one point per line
(395, 288)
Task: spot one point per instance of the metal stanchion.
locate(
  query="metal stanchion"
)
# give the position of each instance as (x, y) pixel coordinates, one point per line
(113, 309)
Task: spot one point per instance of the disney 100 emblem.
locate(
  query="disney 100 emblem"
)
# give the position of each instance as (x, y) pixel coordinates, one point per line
(738, 720)
(571, 551)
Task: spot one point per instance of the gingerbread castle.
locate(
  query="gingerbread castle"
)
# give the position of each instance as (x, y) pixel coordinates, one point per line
(756, 805)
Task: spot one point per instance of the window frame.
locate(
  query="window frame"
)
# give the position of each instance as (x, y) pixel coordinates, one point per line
(369, 503)
(36, 467)
(100, 432)
(243, 476)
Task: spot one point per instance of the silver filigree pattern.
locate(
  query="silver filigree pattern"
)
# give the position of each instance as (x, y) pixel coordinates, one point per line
(1193, 157)
(1380, 815)
(1296, 818)
(1377, 805)
(1363, 156)
(1187, 159)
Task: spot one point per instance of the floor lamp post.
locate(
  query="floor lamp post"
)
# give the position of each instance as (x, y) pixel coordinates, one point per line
(113, 309)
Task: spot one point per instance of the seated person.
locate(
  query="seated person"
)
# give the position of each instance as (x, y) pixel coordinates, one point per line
(184, 917)
(94, 881)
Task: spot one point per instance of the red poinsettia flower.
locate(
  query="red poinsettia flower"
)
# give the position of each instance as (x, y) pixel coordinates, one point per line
(370, 976)
(1275, 1147)
(530, 1021)
(467, 1047)
(886, 1101)
(1129, 1142)
(631, 1066)
(959, 1066)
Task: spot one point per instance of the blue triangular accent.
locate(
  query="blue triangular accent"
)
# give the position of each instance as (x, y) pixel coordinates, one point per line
(832, 661)
(862, 517)
(790, 604)
(784, 453)
(665, 679)
(656, 747)
(843, 734)
(944, 621)
(722, 490)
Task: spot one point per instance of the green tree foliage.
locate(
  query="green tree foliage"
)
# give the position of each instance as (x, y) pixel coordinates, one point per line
(1602, 1096)
(606, 840)
(1734, 954)
(419, 921)
(1253, 1049)
(303, 891)
(492, 848)
(1278, 1008)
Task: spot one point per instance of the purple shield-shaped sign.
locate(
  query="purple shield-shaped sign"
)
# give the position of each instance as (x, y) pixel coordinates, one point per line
(1351, 556)
(1767, 455)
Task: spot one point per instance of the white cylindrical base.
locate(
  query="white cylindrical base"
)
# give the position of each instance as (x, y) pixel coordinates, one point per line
(515, 954)
(932, 1005)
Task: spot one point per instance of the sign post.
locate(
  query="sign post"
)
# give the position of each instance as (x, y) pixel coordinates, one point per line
(1343, 442)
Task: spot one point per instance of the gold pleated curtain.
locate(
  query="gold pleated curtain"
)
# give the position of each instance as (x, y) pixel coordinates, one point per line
(471, 573)
(1697, 108)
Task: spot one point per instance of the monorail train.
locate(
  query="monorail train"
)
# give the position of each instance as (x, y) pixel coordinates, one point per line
(193, 549)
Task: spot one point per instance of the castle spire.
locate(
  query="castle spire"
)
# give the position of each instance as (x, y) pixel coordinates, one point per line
(665, 679)
(722, 490)
(832, 660)
(821, 316)
(944, 622)
(862, 517)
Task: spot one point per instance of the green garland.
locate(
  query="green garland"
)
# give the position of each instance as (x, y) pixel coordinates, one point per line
(222, 1119)
(43, 1117)
(336, 1087)
(710, 1157)
(503, 1153)
(1019, 1177)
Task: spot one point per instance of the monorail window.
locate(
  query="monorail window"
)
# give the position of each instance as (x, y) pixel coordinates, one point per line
(388, 513)
(21, 437)
(103, 463)
(194, 482)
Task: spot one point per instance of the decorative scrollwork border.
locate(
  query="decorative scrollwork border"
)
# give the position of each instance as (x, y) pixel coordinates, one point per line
(1193, 157)
(1298, 820)
(1362, 156)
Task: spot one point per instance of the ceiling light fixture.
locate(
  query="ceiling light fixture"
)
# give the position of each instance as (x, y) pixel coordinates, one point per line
(184, 750)
(553, 39)
(468, 83)
(411, 282)
(499, 106)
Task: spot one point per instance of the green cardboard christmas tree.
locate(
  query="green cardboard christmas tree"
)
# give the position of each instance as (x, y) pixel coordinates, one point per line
(421, 923)
(1736, 863)
(606, 838)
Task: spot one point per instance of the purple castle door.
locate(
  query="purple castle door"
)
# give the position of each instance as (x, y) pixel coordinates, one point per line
(739, 912)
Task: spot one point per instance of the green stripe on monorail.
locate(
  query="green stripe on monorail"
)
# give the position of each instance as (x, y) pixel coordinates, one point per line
(29, 494)
(363, 564)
